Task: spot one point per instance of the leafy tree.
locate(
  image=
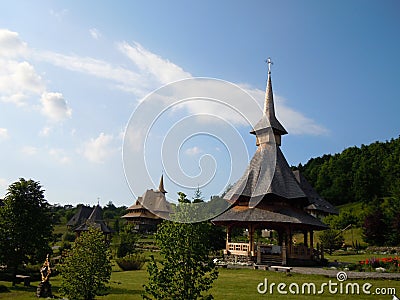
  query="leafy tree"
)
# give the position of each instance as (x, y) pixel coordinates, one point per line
(86, 269)
(186, 271)
(128, 240)
(375, 228)
(331, 240)
(26, 227)
(357, 174)
(198, 196)
(344, 219)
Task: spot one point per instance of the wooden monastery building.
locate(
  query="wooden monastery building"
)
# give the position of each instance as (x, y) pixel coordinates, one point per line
(149, 210)
(270, 196)
(87, 217)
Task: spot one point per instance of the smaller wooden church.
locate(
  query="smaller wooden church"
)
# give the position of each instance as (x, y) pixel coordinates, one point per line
(86, 217)
(270, 196)
(95, 220)
(149, 210)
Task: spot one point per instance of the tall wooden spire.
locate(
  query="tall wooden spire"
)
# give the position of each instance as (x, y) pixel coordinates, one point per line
(268, 120)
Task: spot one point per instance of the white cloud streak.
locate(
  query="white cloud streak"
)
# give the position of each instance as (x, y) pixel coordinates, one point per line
(59, 155)
(29, 150)
(4, 134)
(160, 69)
(55, 107)
(95, 33)
(193, 151)
(97, 150)
(19, 80)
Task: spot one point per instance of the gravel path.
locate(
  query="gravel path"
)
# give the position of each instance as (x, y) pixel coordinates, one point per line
(350, 274)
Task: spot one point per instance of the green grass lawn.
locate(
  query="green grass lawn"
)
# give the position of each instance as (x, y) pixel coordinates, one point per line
(231, 284)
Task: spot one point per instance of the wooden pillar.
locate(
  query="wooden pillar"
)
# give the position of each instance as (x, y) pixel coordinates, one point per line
(305, 238)
(289, 240)
(251, 239)
(259, 253)
(311, 239)
(284, 254)
(228, 236)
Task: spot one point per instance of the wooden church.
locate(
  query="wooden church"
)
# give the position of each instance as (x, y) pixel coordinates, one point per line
(149, 210)
(269, 196)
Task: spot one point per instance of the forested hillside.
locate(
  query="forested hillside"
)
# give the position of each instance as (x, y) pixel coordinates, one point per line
(357, 174)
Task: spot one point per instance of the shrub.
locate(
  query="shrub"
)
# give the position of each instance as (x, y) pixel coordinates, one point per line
(131, 262)
(3, 289)
(86, 269)
(68, 237)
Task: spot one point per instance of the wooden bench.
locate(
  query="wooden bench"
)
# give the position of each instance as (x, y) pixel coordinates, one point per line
(24, 278)
(261, 267)
(281, 268)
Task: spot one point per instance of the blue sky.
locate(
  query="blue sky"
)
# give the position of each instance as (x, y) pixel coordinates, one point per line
(72, 73)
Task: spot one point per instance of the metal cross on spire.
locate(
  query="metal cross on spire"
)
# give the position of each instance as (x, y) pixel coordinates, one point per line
(269, 62)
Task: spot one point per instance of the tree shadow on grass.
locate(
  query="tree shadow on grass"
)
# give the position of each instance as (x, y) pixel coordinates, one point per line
(121, 291)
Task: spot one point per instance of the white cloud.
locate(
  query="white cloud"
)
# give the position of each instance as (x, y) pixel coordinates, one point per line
(29, 150)
(295, 122)
(45, 131)
(95, 33)
(59, 155)
(193, 151)
(99, 149)
(18, 81)
(55, 107)
(126, 80)
(4, 134)
(161, 69)
(11, 45)
(58, 14)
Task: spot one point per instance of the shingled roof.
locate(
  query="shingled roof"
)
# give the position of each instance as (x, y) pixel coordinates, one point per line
(95, 220)
(316, 201)
(268, 174)
(80, 216)
(271, 214)
(153, 203)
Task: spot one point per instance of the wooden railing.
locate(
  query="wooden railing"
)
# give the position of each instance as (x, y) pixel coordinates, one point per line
(239, 248)
(302, 252)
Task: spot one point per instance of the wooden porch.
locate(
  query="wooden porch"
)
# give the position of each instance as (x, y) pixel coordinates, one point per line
(275, 254)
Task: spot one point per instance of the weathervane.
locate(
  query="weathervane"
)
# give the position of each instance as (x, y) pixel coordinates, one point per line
(269, 62)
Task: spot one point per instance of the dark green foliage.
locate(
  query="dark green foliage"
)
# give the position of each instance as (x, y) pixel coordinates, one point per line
(331, 240)
(26, 225)
(186, 271)
(198, 196)
(68, 236)
(357, 174)
(131, 262)
(344, 219)
(128, 239)
(86, 269)
(382, 222)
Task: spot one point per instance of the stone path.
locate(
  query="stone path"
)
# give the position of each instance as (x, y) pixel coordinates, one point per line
(350, 274)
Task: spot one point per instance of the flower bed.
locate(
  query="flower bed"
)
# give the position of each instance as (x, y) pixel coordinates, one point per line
(383, 264)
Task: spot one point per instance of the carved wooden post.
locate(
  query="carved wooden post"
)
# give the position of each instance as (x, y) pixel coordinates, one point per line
(228, 233)
(305, 238)
(284, 254)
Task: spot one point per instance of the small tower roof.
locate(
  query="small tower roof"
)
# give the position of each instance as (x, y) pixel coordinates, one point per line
(161, 185)
(269, 119)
